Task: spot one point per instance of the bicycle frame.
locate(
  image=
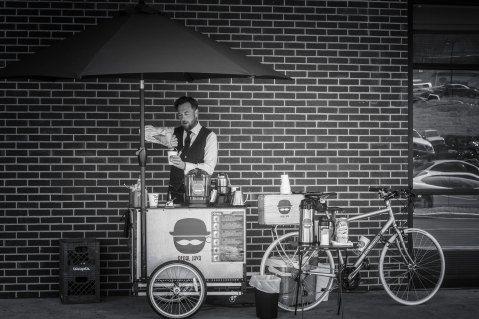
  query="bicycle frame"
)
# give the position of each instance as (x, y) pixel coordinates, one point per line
(391, 222)
(358, 265)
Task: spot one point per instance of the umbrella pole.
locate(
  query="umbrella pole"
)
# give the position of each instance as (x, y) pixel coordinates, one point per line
(142, 161)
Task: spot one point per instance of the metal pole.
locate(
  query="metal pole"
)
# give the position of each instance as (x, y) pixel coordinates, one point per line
(142, 161)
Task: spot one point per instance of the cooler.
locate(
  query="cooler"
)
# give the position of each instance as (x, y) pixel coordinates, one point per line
(277, 266)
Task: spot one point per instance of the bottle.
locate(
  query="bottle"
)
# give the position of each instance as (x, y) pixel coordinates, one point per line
(342, 230)
(306, 227)
(324, 237)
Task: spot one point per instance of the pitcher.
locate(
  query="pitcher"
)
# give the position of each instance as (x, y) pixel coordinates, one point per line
(237, 199)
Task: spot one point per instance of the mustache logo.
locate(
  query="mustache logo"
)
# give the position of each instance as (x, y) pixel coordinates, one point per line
(193, 242)
(189, 235)
(284, 206)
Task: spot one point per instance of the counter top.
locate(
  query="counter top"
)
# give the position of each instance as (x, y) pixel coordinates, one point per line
(183, 206)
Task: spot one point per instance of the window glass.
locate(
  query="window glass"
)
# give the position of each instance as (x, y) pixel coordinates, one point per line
(453, 220)
(446, 48)
(445, 122)
(445, 132)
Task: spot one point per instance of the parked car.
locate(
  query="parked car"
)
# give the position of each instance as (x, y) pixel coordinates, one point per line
(433, 137)
(446, 182)
(461, 90)
(445, 174)
(418, 86)
(422, 148)
(421, 89)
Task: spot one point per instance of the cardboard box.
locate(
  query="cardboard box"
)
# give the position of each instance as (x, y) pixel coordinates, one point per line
(279, 209)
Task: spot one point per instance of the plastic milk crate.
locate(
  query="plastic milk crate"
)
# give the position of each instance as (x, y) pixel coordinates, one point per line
(79, 255)
(79, 270)
(83, 288)
(279, 209)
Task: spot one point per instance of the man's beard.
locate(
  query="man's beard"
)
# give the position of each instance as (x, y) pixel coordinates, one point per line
(188, 126)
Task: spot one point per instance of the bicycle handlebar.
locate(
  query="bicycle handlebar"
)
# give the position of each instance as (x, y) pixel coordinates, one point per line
(386, 193)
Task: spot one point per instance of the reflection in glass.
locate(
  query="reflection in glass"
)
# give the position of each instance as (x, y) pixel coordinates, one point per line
(445, 113)
(449, 48)
(446, 130)
(453, 220)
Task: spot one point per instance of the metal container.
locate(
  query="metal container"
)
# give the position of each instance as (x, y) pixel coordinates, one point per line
(222, 184)
(306, 224)
(197, 184)
(213, 196)
(238, 198)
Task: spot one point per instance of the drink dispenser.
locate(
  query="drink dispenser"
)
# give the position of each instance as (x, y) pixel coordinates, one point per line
(306, 224)
(197, 184)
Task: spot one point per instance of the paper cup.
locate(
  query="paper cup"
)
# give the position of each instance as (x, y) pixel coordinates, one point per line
(153, 199)
(170, 154)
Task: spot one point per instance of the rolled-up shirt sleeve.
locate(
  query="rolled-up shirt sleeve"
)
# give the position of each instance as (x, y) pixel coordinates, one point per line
(211, 156)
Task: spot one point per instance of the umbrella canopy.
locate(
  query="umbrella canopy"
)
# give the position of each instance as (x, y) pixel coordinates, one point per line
(139, 42)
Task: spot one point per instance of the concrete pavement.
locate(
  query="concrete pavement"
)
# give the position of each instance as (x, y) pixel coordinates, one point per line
(448, 303)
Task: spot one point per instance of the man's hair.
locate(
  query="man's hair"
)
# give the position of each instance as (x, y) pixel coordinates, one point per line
(186, 99)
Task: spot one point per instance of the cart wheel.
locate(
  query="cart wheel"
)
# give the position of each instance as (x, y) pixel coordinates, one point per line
(176, 289)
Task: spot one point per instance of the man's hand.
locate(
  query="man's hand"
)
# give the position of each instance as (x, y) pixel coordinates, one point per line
(177, 162)
(174, 141)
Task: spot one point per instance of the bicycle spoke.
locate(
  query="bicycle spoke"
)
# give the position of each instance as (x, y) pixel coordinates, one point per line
(176, 290)
(282, 259)
(412, 281)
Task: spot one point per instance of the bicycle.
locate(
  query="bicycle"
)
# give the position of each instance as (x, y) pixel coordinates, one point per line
(411, 263)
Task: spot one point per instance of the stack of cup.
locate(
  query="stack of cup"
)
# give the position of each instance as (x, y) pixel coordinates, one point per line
(285, 188)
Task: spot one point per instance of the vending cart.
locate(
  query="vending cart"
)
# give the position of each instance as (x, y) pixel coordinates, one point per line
(190, 253)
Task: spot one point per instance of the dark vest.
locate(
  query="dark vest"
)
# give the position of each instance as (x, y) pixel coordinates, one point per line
(195, 154)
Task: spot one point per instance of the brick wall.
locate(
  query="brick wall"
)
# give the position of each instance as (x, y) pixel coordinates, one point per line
(68, 147)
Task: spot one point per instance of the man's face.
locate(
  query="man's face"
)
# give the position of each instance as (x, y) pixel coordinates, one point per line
(187, 115)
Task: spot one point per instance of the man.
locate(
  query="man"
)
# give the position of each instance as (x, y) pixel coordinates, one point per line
(197, 146)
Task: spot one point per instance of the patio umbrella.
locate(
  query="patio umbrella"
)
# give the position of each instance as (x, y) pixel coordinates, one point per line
(138, 43)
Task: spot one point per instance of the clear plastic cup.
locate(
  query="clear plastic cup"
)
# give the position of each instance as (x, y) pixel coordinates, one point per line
(153, 199)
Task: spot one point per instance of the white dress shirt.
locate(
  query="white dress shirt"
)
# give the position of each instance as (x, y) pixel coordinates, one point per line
(211, 151)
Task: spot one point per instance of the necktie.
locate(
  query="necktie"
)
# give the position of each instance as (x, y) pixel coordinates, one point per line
(187, 142)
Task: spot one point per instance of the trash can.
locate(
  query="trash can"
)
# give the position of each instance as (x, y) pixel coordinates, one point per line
(266, 294)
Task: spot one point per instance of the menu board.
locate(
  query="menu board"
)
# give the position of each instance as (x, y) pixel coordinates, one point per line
(228, 242)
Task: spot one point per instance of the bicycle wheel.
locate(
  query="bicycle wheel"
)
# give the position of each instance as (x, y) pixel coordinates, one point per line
(415, 280)
(176, 289)
(282, 259)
